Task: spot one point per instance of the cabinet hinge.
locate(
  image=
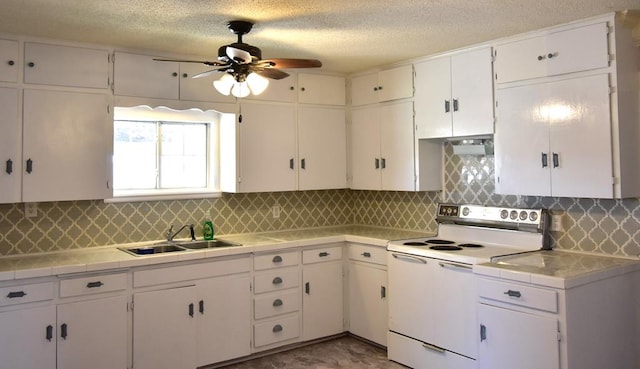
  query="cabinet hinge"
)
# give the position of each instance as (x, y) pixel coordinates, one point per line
(559, 337)
(250, 287)
(240, 118)
(130, 306)
(612, 90)
(615, 180)
(108, 109)
(610, 30)
(493, 57)
(612, 57)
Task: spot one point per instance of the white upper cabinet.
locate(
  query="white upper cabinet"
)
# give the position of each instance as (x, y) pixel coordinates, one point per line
(321, 89)
(554, 53)
(385, 85)
(200, 89)
(66, 66)
(279, 90)
(9, 61)
(10, 147)
(140, 75)
(454, 95)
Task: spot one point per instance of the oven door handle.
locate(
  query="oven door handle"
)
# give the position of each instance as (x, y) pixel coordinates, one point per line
(454, 265)
(411, 259)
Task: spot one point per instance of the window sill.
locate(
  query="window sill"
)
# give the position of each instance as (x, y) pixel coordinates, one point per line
(138, 196)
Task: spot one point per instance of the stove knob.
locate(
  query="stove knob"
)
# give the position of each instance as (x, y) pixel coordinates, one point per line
(513, 215)
(523, 215)
(504, 214)
(465, 211)
(533, 216)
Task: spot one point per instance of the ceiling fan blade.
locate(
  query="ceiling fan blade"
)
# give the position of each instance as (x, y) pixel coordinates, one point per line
(238, 55)
(210, 72)
(292, 63)
(271, 73)
(210, 63)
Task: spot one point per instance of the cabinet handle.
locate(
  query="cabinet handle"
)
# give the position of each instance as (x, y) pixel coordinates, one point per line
(377, 163)
(545, 162)
(552, 55)
(541, 57)
(307, 288)
(29, 165)
(11, 62)
(366, 254)
(174, 74)
(303, 164)
(63, 331)
(191, 308)
(379, 88)
(383, 162)
(9, 167)
(184, 75)
(95, 284)
(323, 254)
(512, 293)
(291, 163)
(447, 106)
(201, 307)
(277, 302)
(49, 332)
(556, 161)
(277, 328)
(277, 259)
(13, 295)
(375, 88)
(483, 332)
(31, 64)
(302, 89)
(291, 88)
(383, 292)
(455, 104)
(277, 280)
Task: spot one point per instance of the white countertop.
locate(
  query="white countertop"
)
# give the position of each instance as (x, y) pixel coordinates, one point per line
(109, 257)
(557, 268)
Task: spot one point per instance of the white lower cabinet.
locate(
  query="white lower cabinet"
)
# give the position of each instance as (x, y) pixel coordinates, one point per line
(322, 302)
(27, 338)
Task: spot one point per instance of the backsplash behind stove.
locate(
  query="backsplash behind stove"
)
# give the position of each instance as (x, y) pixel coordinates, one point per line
(604, 226)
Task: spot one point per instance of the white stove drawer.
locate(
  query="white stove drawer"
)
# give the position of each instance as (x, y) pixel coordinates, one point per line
(418, 355)
(518, 294)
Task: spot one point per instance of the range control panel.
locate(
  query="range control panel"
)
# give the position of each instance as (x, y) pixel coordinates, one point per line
(466, 213)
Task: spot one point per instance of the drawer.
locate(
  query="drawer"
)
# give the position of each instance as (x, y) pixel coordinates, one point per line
(191, 272)
(93, 284)
(368, 254)
(417, 354)
(283, 259)
(26, 293)
(518, 294)
(321, 255)
(275, 331)
(273, 304)
(277, 279)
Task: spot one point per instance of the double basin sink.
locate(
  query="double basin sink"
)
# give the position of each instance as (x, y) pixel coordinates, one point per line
(180, 246)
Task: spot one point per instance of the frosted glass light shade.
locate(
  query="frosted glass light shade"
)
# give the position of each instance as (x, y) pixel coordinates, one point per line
(257, 83)
(224, 84)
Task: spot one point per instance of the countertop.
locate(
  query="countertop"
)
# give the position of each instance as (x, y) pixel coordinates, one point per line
(557, 268)
(109, 257)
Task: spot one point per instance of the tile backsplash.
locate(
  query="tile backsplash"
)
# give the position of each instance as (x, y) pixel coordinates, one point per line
(603, 226)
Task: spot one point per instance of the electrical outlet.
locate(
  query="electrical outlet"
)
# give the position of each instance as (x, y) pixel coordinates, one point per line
(556, 223)
(30, 209)
(275, 211)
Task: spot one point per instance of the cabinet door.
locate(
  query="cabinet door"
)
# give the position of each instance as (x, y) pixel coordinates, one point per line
(322, 148)
(322, 303)
(321, 89)
(66, 66)
(10, 147)
(364, 89)
(200, 89)
(67, 137)
(164, 332)
(472, 93)
(368, 302)
(511, 339)
(267, 148)
(579, 117)
(433, 98)
(396, 83)
(8, 61)
(140, 75)
(397, 147)
(224, 319)
(522, 142)
(282, 90)
(25, 341)
(95, 334)
(365, 149)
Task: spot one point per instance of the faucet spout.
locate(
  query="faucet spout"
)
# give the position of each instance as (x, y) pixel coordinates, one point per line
(170, 234)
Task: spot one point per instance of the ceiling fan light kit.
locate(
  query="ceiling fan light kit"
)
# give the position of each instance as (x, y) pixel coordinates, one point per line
(245, 72)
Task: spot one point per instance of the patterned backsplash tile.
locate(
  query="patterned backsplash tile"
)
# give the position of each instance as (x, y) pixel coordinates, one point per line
(603, 226)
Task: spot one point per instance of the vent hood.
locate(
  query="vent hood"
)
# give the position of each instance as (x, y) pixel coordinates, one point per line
(478, 147)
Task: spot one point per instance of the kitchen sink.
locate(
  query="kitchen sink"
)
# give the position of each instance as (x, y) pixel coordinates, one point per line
(152, 249)
(196, 245)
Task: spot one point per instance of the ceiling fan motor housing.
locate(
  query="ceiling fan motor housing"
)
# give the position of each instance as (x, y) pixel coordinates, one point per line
(255, 52)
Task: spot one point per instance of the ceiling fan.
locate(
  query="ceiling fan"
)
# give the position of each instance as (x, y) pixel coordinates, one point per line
(244, 69)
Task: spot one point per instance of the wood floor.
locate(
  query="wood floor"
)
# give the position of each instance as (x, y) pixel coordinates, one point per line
(343, 352)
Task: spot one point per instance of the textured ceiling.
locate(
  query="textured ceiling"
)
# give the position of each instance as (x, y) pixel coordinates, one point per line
(346, 36)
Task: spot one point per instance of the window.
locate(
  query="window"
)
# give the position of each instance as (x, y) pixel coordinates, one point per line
(164, 152)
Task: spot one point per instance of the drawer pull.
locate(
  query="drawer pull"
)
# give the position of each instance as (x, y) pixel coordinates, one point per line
(383, 292)
(13, 295)
(366, 254)
(277, 280)
(434, 348)
(9, 166)
(201, 307)
(277, 303)
(323, 254)
(512, 293)
(63, 331)
(277, 259)
(49, 333)
(95, 284)
(483, 332)
(277, 328)
(191, 310)
(307, 288)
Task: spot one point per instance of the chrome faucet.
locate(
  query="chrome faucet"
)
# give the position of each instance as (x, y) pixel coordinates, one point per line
(171, 234)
